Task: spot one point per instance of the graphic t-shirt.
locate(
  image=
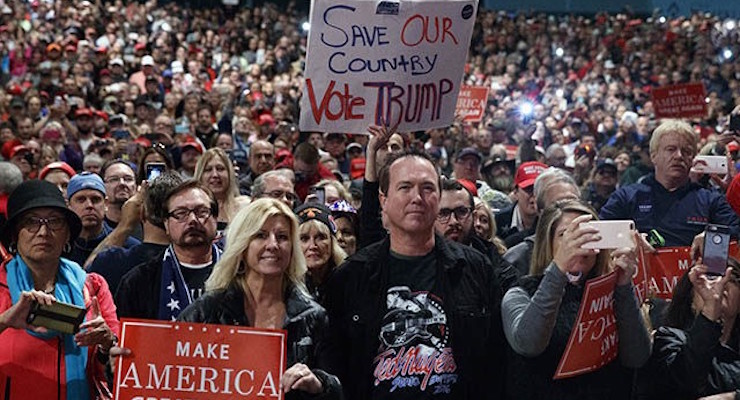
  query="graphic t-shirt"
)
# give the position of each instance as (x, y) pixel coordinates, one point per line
(195, 277)
(415, 359)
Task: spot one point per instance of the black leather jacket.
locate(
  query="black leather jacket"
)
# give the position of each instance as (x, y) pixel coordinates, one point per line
(305, 323)
(471, 288)
(691, 363)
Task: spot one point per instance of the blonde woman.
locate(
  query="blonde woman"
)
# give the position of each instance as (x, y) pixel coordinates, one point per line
(539, 314)
(484, 225)
(215, 171)
(259, 283)
(317, 234)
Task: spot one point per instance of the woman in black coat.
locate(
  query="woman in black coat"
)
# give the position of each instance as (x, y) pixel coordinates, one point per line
(259, 282)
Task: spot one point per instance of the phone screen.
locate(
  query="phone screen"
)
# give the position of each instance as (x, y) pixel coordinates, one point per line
(716, 249)
(154, 170)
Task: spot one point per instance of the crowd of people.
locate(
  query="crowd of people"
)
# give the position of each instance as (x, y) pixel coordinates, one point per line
(151, 166)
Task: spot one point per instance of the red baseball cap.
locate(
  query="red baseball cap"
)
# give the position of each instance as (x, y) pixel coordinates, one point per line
(18, 149)
(192, 144)
(57, 165)
(470, 186)
(527, 173)
(265, 119)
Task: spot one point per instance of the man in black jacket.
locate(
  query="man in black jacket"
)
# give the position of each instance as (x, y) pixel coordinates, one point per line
(415, 315)
(162, 287)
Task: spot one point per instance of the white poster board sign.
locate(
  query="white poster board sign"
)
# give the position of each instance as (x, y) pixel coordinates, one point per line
(385, 63)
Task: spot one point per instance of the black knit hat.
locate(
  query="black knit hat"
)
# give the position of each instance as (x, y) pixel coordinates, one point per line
(319, 212)
(37, 194)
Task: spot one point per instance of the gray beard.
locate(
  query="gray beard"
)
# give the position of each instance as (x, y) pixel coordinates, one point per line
(502, 183)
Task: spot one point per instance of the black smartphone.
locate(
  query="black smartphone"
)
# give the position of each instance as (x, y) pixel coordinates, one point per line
(320, 195)
(716, 248)
(735, 123)
(153, 170)
(60, 317)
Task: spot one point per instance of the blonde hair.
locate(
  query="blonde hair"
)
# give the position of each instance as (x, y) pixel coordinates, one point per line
(240, 233)
(491, 234)
(673, 126)
(341, 190)
(337, 253)
(542, 254)
(233, 190)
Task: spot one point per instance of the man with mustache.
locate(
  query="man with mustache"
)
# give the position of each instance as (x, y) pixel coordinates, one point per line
(163, 287)
(120, 185)
(667, 200)
(86, 195)
(455, 219)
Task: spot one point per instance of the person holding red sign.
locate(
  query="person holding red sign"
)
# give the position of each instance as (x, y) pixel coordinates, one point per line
(539, 315)
(259, 282)
(697, 352)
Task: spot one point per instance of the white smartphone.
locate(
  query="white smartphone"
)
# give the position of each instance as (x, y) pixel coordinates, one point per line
(614, 234)
(710, 165)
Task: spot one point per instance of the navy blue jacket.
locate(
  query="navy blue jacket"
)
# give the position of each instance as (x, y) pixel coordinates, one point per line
(678, 215)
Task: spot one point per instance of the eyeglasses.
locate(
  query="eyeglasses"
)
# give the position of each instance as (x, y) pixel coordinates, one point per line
(116, 179)
(460, 213)
(33, 224)
(279, 194)
(182, 214)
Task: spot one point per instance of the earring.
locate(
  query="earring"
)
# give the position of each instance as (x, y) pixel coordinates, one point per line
(67, 248)
(11, 248)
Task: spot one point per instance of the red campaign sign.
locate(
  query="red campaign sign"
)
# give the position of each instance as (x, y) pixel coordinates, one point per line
(680, 101)
(593, 341)
(471, 103)
(667, 266)
(199, 361)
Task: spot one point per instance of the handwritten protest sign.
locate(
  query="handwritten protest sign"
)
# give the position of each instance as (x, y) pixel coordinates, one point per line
(593, 341)
(199, 361)
(384, 63)
(667, 266)
(471, 103)
(680, 101)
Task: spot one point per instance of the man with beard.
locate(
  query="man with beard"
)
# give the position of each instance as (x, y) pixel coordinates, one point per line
(84, 123)
(161, 288)
(467, 166)
(120, 185)
(86, 195)
(261, 160)
(667, 200)
(455, 219)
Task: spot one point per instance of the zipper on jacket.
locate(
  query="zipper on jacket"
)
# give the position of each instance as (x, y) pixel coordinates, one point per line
(6, 395)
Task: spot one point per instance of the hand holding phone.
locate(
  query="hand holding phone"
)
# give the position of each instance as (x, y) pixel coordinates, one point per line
(154, 170)
(61, 317)
(716, 248)
(614, 234)
(319, 195)
(710, 165)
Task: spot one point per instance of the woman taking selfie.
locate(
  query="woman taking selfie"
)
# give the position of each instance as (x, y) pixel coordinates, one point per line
(697, 352)
(214, 169)
(539, 314)
(37, 362)
(259, 282)
(317, 233)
